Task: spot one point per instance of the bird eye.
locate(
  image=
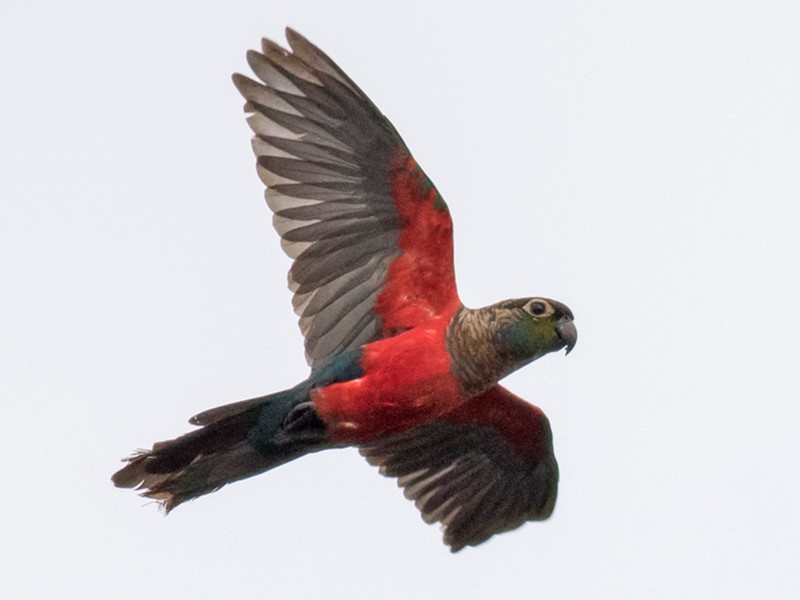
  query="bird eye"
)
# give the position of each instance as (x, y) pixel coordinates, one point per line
(537, 308)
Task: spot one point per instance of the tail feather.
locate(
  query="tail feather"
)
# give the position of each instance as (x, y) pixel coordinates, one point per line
(236, 441)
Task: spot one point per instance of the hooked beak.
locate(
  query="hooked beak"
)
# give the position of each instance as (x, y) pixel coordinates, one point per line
(567, 332)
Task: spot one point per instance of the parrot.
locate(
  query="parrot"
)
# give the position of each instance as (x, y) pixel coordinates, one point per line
(400, 368)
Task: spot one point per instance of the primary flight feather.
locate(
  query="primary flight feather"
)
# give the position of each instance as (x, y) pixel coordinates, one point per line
(400, 368)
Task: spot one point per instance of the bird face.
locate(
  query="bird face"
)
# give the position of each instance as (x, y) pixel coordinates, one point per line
(538, 326)
(488, 343)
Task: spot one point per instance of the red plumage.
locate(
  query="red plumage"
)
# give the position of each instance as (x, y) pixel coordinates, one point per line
(421, 281)
(374, 285)
(407, 380)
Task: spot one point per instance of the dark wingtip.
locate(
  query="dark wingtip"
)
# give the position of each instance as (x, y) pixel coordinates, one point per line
(294, 38)
(239, 80)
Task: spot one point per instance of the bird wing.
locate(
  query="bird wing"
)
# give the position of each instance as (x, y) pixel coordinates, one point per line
(485, 468)
(370, 236)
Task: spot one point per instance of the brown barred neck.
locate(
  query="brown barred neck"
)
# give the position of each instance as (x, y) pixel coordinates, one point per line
(479, 357)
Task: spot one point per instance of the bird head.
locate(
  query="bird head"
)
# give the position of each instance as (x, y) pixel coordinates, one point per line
(533, 327)
(488, 343)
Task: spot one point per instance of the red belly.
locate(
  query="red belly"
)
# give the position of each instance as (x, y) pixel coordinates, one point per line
(407, 381)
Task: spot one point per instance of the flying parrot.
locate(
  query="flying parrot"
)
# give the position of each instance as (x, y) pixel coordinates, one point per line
(400, 368)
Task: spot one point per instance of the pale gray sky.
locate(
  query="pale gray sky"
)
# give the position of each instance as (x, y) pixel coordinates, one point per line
(636, 160)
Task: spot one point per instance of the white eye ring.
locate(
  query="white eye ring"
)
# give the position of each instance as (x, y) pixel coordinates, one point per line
(538, 308)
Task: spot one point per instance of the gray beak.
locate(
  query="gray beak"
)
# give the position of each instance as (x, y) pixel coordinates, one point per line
(567, 332)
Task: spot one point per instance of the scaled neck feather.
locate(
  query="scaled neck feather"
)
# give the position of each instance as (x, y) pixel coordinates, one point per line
(479, 356)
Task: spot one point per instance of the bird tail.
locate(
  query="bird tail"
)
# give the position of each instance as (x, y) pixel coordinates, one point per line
(235, 441)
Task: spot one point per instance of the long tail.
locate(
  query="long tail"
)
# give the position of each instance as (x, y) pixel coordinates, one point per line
(235, 441)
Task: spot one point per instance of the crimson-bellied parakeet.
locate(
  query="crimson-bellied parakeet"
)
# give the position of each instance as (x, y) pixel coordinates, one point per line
(400, 368)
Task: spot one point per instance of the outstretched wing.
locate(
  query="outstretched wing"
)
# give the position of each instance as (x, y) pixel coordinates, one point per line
(370, 236)
(485, 468)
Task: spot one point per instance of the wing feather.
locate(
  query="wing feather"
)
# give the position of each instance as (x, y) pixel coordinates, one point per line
(347, 197)
(485, 468)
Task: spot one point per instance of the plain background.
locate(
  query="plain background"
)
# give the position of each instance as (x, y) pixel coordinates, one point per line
(635, 160)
